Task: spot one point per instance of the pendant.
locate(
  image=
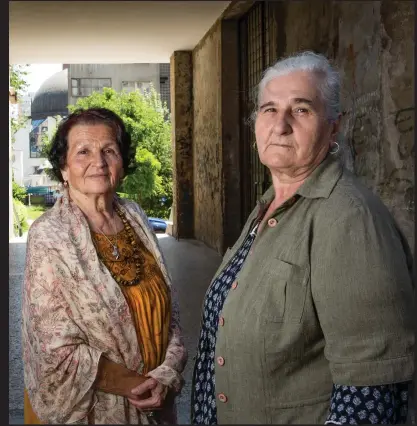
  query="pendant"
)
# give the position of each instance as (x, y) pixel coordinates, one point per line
(116, 253)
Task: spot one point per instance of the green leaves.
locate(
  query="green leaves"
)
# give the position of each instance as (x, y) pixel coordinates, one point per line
(19, 192)
(20, 217)
(18, 75)
(145, 182)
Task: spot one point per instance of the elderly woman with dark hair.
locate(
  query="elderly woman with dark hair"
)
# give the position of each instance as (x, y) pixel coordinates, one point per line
(309, 318)
(101, 335)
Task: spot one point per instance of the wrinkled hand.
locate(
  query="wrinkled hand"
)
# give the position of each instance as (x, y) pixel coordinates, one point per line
(155, 401)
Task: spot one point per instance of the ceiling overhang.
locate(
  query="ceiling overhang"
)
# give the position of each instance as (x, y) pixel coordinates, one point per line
(107, 31)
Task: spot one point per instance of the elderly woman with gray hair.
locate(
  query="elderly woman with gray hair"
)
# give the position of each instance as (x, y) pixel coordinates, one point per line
(309, 318)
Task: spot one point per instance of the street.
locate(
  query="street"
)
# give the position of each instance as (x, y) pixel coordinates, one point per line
(191, 264)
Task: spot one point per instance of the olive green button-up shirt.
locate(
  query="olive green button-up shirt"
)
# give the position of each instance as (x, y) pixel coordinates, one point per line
(325, 296)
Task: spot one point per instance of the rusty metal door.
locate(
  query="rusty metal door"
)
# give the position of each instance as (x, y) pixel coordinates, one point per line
(257, 41)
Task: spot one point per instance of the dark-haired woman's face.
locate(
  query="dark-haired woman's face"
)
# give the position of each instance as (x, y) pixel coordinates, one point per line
(94, 164)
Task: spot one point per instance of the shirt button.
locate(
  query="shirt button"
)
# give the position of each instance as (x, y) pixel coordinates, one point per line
(220, 360)
(221, 321)
(234, 285)
(222, 397)
(272, 222)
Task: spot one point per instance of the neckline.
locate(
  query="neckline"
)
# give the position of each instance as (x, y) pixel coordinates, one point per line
(109, 235)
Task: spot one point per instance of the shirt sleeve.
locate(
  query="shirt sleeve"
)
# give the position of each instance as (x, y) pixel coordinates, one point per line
(170, 371)
(356, 405)
(363, 293)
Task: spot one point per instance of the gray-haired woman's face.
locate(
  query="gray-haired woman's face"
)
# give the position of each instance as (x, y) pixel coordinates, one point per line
(292, 130)
(94, 164)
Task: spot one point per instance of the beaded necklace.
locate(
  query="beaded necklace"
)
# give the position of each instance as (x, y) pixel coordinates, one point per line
(137, 258)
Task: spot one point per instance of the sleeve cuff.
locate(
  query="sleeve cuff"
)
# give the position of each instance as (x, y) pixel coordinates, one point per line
(373, 373)
(168, 377)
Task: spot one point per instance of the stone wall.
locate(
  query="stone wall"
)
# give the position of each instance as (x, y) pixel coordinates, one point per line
(207, 140)
(372, 43)
(397, 186)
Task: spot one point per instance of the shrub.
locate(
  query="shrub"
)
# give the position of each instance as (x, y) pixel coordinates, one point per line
(19, 192)
(20, 217)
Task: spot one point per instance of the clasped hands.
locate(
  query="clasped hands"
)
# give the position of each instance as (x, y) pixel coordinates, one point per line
(149, 395)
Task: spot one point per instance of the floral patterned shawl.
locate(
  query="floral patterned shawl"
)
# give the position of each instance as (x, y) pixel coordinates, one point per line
(73, 311)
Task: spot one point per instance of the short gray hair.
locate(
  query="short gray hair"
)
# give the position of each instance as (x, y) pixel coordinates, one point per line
(329, 85)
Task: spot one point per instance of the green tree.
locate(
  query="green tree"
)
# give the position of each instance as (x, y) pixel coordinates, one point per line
(18, 81)
(147, 120)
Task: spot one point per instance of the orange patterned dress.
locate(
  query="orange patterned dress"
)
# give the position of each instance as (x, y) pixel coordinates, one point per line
(149, 301)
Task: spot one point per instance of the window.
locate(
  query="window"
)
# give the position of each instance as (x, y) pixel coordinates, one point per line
(142, 86)
(37, 137)
(86, 86)
(35, 145)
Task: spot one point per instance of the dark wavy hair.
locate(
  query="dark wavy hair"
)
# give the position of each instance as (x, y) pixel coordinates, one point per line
(57, 155)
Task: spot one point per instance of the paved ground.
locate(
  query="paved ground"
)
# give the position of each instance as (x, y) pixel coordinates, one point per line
(191, 265)
(17, 251)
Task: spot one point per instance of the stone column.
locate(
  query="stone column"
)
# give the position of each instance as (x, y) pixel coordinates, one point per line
(182, 138)
(233, 219)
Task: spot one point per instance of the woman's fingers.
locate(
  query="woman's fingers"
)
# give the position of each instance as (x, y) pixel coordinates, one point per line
(158, 393)
(153, 403)
(148, 385)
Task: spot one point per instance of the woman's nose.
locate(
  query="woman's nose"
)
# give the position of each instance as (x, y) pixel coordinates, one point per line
(282, 125)
(99, 159)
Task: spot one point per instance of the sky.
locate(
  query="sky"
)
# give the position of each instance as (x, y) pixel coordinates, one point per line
(38, 73)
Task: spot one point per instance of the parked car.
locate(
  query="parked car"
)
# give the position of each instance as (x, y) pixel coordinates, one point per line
(158, 225)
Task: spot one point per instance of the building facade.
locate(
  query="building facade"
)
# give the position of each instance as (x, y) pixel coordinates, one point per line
(84, 79)
(25, 104)
(28, 164)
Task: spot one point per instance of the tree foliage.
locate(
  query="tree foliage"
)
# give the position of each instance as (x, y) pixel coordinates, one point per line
(19, 192)
(20, 220)
(18, 81)
(146, 119)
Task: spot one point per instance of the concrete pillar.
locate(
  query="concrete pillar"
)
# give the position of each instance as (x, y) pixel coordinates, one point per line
(233, 219)
(182, 147)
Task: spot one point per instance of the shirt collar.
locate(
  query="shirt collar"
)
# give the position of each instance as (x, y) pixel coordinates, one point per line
(319, 184)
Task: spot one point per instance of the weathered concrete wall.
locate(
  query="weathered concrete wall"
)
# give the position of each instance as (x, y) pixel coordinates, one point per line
(397, 186)
(182, 144)
(372, 43)
(207, 140)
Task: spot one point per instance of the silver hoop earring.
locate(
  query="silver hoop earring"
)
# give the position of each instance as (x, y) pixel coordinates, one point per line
(337, 149)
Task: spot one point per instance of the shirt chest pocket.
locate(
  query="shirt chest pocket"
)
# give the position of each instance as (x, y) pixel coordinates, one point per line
(282, 292)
